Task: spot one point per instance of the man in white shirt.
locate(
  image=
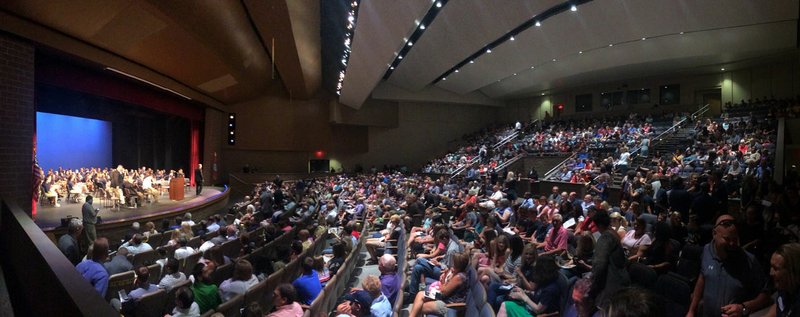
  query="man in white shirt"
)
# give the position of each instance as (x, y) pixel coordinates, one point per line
(184, 250)
(147, 187)
(187, 218)
(136, 245)
(172, 276)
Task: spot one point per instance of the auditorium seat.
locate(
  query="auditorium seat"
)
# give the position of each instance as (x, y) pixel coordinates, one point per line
(155, 273)
(169, 305)
(150, 305)
(232, 307)
(689, 262)
(231, 248)
(195, 242)
(677, 293)
(642, 275)
(156, 240)
(257, 292)
(187, 265)
(222, 273)
(145, 258)
(120, 281)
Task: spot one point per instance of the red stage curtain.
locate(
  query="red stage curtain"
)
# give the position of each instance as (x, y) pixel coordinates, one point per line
(195, 149)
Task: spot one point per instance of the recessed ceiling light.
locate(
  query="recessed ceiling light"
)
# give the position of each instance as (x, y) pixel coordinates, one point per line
(488, 50)
(610, 45)
(723, 69)
(542, 94)
(532, 67)
(472, 62)
(644, 38)
(422, 26)
(400, 57)
(410, 43)
(512, 38)
(538, 23)
(554, 59)
(391, 67)
(515, 74)
(456, 71)
(681, 33)
(444, 78)
(573, 8)
(580, 52)
(438, 4)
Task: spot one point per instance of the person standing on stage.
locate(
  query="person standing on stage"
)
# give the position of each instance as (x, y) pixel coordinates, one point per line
(117, 180)
(89, 219)
(198, 179)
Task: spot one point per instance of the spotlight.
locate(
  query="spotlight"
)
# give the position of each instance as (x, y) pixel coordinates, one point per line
(512, 38)
(538, 23)
(400, 57)
(410, 43)
(444, 78)
(438, 4)
(573, 8)
(422, 26)
(457, 70)
(472, 62)
(391, 67)
(723, 69)
(489, 51)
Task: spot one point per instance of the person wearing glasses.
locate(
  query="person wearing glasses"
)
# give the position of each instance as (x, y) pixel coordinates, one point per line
(730, 281)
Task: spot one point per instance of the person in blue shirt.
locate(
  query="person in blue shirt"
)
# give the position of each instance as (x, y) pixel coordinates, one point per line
(92, 269)
(307, 285)
(142, 284)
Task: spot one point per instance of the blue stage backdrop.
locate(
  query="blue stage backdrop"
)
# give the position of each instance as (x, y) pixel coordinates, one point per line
(72, 142)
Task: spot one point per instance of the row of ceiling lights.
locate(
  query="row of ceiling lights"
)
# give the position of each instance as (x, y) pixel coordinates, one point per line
(510, 36)
(436, 6)
(348, 40)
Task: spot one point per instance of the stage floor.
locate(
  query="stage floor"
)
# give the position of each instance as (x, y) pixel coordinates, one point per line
(49, 217)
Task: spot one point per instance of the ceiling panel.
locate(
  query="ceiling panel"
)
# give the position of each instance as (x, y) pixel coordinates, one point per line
(381, 30)
(462, 28)
(602, 22)
(649, 57)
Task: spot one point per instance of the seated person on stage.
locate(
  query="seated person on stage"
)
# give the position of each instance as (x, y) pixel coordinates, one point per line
(307, 285)
(148, 187)
(50, 189)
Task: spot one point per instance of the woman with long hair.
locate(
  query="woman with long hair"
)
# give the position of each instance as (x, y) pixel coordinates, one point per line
(545, 297)
(453, 287)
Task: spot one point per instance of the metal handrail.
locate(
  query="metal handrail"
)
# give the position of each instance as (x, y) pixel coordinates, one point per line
(564, 162)
(510, 161)
(673, 128)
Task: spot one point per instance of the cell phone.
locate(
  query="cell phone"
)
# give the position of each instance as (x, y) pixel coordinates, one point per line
(123, 295)
(507, 287)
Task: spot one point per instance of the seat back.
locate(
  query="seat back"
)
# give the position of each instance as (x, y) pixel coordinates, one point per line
(689, 262)
(642, 275)
(151, 304)
(222, 273)
(187, 265)
(155, 273)
(231, 248)
(145, 258)
(563, 288)
(195, 242)
(155, 240)
(120, 281)
(169, 305)
(677, 293)
(256, 293)
(232, 307)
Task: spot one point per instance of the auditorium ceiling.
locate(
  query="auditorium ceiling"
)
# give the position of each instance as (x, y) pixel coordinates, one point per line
(221, 52)
(600, 41)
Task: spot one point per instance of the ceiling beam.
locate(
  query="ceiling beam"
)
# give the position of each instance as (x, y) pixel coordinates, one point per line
(290, 33)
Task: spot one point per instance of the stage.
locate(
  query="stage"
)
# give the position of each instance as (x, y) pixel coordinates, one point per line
(212, 199)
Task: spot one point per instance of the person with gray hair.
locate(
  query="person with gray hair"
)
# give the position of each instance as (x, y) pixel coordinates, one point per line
(187, 218)
(390, 285)
(68, 243)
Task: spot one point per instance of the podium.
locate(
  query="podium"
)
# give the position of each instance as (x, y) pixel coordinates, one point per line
(176, 188)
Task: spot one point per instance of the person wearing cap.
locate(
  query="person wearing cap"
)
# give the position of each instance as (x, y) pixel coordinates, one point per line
(355, 304)
(730, 281)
